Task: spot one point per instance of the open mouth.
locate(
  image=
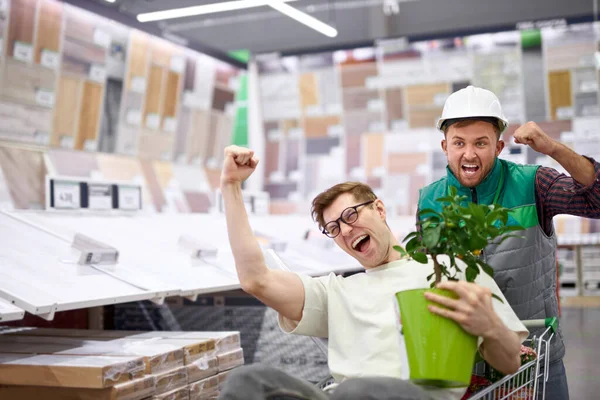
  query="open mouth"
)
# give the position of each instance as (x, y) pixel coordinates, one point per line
(470, 169)
(361, 243)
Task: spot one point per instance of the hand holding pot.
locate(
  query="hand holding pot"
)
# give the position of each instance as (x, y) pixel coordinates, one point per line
(473, 308)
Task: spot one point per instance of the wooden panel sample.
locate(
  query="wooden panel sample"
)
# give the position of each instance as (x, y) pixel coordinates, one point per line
(394, 102)
(353, 152)
(190, 74)
(425, 94)
(356, 75)
(66, 110)
(222, 96)
(80, 25)
(271, 158)
(222, 136)
(567, 56)
(373, 151)
(21, 23)
(424, 118)
(404, 163)
(198, 202)
(359, 99)
(161, 52)
(20, 82)
(559, 91)
(154, 90)
(25, 175)
(138, 56)
(318, 126)
(48, 28)
(359, 122)
(21, 122)
(198, 135)
(171, 96)
(89, 116)
(309, 92)
(156, 146)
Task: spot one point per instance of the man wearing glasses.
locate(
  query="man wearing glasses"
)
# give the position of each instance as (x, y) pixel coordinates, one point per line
(357, 314)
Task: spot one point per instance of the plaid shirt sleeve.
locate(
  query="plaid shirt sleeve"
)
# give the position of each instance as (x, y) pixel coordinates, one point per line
(558, 193)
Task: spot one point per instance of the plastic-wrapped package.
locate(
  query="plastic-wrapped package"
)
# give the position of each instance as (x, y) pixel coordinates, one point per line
(202, 368)
(230, 359)
(171, 380)
(204, 389)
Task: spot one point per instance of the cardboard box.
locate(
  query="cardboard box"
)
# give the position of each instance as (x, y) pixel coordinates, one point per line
(202, 368)
(158, 358)
(230, 360)
(182, 393)
(171, 380)
(133, 390)
(222, 377)
(206, 388)
(69, 371)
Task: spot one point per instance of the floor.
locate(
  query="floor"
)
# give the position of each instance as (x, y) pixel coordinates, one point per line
(581, 328)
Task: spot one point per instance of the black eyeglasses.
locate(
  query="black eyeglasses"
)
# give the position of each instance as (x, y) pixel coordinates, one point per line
(349, 216)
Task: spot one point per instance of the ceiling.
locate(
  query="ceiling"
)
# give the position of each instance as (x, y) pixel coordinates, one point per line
(359, 22)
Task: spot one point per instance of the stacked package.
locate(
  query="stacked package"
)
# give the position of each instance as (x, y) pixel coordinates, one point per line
(65, 364)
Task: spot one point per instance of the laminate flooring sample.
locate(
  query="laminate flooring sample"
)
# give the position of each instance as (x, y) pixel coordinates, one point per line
(356, 75)
(171, 97)
(221, 97)
(309, 91)
(373, 151)
(559, 91)
(359, 99)
(424, 117)
(138, 56)
(48, 28)
(21, 122)
(394, 102)
(315, 127)
(425, 94)
(154, 91)
(158, 197)
(21, 82)
(25, 174)
(198, 136)
(89, 116)
(157, 146)
(21, 23)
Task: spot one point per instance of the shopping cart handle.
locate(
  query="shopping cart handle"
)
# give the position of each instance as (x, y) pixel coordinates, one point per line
(551, 322)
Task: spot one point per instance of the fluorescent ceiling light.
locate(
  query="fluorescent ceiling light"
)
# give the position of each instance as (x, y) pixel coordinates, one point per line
(204, 9)
(303, 18)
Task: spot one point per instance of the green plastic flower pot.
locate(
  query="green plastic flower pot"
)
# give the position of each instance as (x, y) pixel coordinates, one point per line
(440, 352)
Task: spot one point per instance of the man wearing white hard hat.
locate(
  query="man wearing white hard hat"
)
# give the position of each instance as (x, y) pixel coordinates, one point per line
(525, 268)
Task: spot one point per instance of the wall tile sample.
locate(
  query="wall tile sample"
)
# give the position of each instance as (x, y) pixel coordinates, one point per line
(353, 152)
(49, 27)
(426, 94)
(66, 113)
(171, 95)
(137, 57)
(373, 145)
(25, 123)
(424, 118)
(359, 99)
(559, 91)
(321, 146)
(394, 103)
(154, 92)
(22, 82)
(198, 134)
(21, 24)
(315, 127)
(356, 75)
(89, 117)
(153, 185)
(359, 122)
(309, 94)
(157, 146)
(25, 174)
(221, 97)
(404, 163)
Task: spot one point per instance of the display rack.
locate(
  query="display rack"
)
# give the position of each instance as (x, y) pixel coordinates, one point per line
(9, 312)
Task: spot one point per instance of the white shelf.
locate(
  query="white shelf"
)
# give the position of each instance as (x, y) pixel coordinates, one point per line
(8, 312)
(39, 275)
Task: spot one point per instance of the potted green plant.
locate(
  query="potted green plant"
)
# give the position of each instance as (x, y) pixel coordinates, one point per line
(440, 352)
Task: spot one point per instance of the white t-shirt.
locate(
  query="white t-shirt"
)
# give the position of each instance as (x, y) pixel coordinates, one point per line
(358, 315)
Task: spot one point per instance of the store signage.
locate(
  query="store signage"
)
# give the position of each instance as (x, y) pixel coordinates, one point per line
(548, 23)
(66, 193)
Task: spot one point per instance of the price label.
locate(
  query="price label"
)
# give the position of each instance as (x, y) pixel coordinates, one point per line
(129, 197)
(170, 125)
(90, 145)
(376, 126)
(373, 82)
(375, 105)
(44, 98)
(177, 65)
(335, 130)
(153, 121)
(66, 195)
(102, 38)
(134, 117)
(587, 87)
(564, 112)
(97, 73)
(67, 142)
(23, 52)
(41, 137)
(138, 84)
(50, 59)
(99, 196)
(399, 125)
(165, 156)
(296, 133)
(313, 111)
(333, 109)
(440, 99)
(274, 135)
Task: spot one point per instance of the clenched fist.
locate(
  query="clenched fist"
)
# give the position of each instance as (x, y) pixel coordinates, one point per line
(533, 136)
(239, 164)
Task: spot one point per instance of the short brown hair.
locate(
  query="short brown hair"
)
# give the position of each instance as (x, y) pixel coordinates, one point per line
(462, 122)
(360, 191)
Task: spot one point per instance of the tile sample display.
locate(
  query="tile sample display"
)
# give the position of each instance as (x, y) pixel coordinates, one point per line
(21, 23)
(197, 138)
(309, 95)
(25, 175)
(25, 123)
(89, 117)
(48, 34)
(373, 145)
(29, 84)
(154, 96)
(559, 93)
(66, 113)
(137, 65)
(315, 127)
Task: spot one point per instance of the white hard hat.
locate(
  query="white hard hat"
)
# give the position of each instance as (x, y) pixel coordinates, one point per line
(473, 102)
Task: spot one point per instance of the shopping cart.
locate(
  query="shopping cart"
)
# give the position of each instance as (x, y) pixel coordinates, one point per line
(529, 382)
(522, 385)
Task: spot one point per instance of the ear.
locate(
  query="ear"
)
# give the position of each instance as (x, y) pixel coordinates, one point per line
(444, 144)
(380, 208)
(499, 147)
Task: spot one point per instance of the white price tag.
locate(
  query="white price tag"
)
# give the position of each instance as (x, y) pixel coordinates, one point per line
(376, 126)
(98, 73)
(134, 117)
(165, 156)
(189, 99)
(177, 64)
(212, 163)
(129, 197)
(587, 87)
(44, 98)
(170, 124)
(375, 105)
(399, 125)
(50, 59)
(333, 109)
(42, 137)
(335, 130)
(373, 82)
(274, 135)
(153, 121)
(99, 196)
(102, 38)
(90, 145)
(440, 99)
(296, 133)
(67, 142)
(138, 84)
(565, 112)
(313, 111)
(23, 52)
(66, 195)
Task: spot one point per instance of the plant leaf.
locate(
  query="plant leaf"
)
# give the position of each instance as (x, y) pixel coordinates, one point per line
(412, 245)
(495, 296)
(472, 273)
(431, 237)
(487, 268)
(429, 211)
(476, 242)
(410, 236)
(420, 257)
(400, 250)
